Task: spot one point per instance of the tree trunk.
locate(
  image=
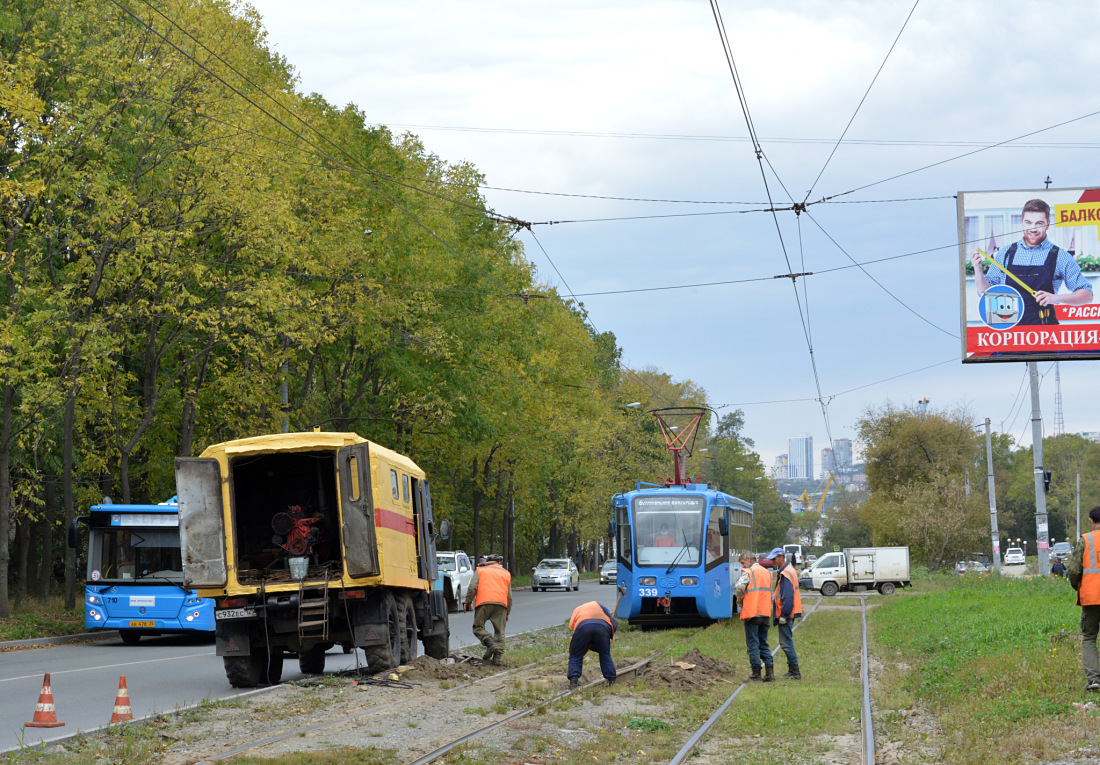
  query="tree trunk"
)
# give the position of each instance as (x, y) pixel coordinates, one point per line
(67, 497)
(45, 558)
(22, 546)
(6, 407)
(475, 508)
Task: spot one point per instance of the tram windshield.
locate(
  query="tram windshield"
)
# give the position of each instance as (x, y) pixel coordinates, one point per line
(667, 529)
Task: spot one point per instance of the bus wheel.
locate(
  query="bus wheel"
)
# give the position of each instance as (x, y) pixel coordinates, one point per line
(244, 671)
(129, 637)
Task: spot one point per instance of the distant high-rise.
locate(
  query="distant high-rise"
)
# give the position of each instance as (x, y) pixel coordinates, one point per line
(779, 470)
(828, 462)
(842, 453)
(801, 456)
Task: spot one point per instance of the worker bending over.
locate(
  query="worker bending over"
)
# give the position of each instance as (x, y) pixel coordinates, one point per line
(593, 630)
(491, 594)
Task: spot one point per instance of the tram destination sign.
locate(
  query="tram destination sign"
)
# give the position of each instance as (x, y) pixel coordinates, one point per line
(1029, 271)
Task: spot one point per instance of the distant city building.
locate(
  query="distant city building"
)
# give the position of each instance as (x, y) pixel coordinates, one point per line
(800, 451)
(842, 453)
(1093, 436)
(779, 470)
(828, 463)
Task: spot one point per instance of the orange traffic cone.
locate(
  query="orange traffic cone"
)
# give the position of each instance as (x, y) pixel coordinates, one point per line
(122, 711)
(44, 714)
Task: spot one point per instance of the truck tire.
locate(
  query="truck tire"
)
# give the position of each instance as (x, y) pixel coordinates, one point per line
(388, 656)
(244, 671)
(312, 662)
(409, 648)
(829, 589)
(438, 646)
(275, 667)
(458, 601)
(129, 637)
(886, 588)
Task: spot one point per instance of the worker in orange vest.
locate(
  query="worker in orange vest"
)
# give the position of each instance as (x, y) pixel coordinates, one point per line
(754, 594)
(593, 630)
(1083, 572)
(490, 592)
(788, 607)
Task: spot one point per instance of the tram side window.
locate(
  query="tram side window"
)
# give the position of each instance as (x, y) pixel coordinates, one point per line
(394, 485)
(623, 533)
(716, 543)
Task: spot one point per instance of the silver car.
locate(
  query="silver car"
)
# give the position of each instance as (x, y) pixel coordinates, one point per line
(556, 572)
(609, 572)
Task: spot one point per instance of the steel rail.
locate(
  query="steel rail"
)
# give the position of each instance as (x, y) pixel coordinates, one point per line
(866, 720)
(682, 755)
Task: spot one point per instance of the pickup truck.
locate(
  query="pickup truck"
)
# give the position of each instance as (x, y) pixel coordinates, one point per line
(857, 569)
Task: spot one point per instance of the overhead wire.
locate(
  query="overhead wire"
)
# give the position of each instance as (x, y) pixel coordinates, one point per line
(861, 101)
(759, 151)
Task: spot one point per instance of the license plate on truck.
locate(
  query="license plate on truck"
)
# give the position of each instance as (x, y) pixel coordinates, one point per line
(234, 613)
(143, 625)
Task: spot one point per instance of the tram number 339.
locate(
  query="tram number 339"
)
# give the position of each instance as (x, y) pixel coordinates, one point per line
(647, 592)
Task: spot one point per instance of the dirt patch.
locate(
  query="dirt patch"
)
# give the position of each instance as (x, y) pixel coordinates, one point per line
(692, 671)
(427, 668)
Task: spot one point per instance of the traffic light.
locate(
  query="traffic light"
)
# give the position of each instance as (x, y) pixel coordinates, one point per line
(1046, 480)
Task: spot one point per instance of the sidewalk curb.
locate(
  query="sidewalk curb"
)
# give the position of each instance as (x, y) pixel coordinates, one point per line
(84, 637)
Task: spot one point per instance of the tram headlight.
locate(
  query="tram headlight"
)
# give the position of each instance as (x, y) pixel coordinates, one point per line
(687, 581)
(649, 581)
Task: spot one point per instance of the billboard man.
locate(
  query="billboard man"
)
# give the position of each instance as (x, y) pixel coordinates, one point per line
(1039, 264)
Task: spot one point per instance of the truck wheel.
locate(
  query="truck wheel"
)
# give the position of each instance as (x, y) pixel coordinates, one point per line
(409, 648)
(829, 589)
(244, 671)
(458, 601)
(438, 646)
(312, 662)
(129, 637)
(275, 667)
(886, 588)
(388, 656)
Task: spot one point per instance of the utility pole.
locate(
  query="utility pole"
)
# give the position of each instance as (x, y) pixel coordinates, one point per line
(1078, 507)
(1040, 490)
(994, 533)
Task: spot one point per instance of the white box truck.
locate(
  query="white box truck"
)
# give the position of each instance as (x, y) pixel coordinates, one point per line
(857, 569)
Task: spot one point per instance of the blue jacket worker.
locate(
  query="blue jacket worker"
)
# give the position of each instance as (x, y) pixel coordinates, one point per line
(788, 607)
(593, 630)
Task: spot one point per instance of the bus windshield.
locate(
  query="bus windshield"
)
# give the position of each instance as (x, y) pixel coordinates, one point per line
(664, 526)
(129, 554)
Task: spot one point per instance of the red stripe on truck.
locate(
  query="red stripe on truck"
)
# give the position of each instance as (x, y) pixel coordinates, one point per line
(388, 519)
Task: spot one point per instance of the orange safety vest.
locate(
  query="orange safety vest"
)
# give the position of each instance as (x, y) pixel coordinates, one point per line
(758, 595)
(589, 610)
(788, 573)
(1089, 592)
(493, 582)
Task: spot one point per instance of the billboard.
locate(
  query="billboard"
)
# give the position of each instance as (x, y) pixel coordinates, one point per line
(1029, 265)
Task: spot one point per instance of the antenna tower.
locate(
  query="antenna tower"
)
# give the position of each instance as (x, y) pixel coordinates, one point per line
(1059, 421)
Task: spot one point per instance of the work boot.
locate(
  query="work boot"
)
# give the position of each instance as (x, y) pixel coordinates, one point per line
(792, 673)
(610, 680)
(769, 673)
(574, 683)
(1093, 686)
(488, 655)
(755, 676)
(495, 658)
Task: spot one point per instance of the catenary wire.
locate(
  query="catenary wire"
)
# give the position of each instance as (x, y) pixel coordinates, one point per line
(860, 104)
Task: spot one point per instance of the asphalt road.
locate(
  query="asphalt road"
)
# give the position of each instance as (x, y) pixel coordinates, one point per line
(171, 672)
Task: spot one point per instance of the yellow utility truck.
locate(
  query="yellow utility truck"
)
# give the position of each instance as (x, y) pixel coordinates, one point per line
(306, 541)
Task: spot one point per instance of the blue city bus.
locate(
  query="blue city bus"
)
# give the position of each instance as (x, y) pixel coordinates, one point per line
(135, 574)
(678, 549)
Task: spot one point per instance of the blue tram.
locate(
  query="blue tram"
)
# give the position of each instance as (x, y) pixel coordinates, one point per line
(678, 549)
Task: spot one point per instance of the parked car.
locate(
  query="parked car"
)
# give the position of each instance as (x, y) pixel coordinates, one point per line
(1014, 556)
(1061, 550)
(609, 572)
(556, 572)
(811, 559)
(456, 571)
(971, 566)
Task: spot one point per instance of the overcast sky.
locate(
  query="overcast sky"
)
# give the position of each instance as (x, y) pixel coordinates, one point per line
(647, 86)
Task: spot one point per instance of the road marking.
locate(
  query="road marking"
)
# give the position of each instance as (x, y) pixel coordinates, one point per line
(106, 666)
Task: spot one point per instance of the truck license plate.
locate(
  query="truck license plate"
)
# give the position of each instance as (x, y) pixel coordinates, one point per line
(234, 613)
(145, 625)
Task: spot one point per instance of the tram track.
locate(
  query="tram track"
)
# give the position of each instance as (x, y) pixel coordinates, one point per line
(866, 718)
